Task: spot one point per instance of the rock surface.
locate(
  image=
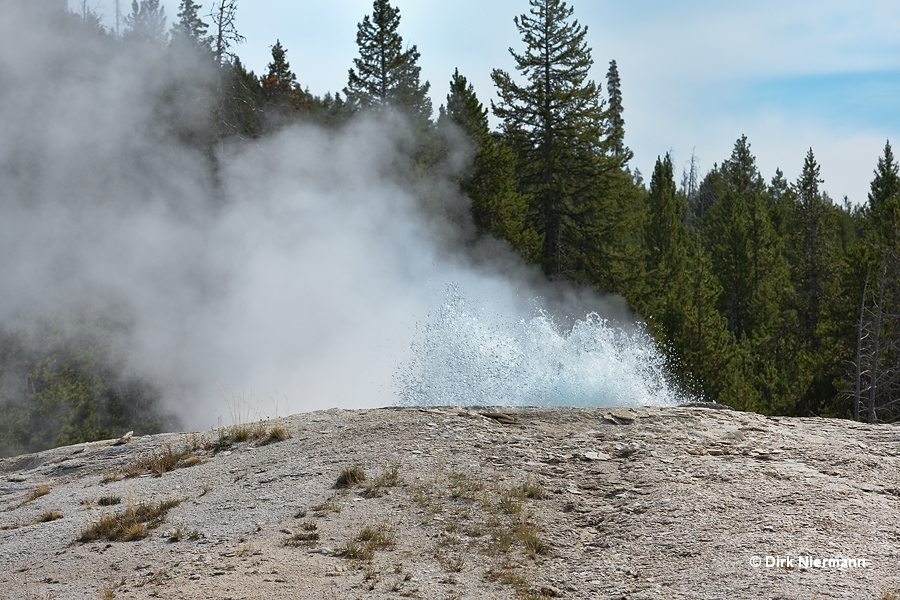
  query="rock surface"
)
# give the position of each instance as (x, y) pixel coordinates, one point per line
(472, 503)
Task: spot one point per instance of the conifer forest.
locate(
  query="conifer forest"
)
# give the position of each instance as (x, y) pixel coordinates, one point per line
(764, 294)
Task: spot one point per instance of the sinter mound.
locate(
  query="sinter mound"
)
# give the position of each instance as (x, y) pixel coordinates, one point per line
(463, 503)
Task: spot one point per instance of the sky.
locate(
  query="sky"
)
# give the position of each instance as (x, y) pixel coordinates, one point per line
(696, 75)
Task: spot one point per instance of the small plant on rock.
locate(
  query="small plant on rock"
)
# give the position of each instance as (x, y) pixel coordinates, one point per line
(349, 477)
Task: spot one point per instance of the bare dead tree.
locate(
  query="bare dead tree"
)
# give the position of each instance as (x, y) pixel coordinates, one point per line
(876, 371)
(224, 37)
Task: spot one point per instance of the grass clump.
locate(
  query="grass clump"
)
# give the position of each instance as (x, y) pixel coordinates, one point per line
(388, 478)
(131, 524)
(308, 537)
(534, 490)
(463, 486)
(303, 538)
(369, 539)
(49, 515)
(350, 476)
(155, 462)
(39, 491)
(511, 505)
(109, 500)
(528, 535)
(325, 507)
(355, 551)
(258, 432)
(278, 433)
(379, 537)
(180, 533)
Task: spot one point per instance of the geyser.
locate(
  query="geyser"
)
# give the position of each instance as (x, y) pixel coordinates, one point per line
(469, 354)
(296, 264)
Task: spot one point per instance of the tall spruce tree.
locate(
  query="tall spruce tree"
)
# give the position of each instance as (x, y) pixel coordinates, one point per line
(385, 75)
(813, 246)
(884, 199)
(748, 258)
(873, 275)
(279, 84)
(190, 30)
(615, 119)
(498, 207)
(555, 123)
(146, 22)
(666, 256)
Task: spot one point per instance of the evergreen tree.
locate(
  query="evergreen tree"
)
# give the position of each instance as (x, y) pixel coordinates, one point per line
(190, 30)
(497, 207)
(465, 110)
(679, 302)
(781, 199)
(555, 123)
(811, 336)
(615, 120)
(146, 23)
(748, 257)
(242, 101)
(873, 281)
(279, 84)
(884, 200)
(90, 19)
(385, 75)
(666, 256)
(814, 248)
(279, 79)
(330, 110)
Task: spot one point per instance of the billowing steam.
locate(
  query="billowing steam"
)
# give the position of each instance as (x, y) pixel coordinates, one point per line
(298, 270)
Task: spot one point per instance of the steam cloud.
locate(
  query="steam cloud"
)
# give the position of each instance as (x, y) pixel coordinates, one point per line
(301, 274)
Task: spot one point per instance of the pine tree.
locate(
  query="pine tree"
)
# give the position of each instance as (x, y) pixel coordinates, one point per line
(385, 75)
(465, 110)
(497, 206)
(554, 122)
(873, 278)
(747, 254)
(666, 255)
(146, 23)
(781, 199)
(615, 120)
(814, 247)
(679, 302)
(190, 29)
(279, 84)
(884, 200)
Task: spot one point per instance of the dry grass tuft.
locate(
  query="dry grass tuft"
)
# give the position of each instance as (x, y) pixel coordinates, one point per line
(49, 515)
(41, 490)
(131, 524)
(349, 477)
(388, 478)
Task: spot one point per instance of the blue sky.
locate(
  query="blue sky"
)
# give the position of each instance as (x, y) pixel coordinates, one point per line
(696, 74)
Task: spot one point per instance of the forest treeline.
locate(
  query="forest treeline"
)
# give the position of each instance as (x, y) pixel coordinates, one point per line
(765, 294)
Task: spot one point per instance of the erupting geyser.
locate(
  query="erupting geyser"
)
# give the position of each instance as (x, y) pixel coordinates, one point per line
(468, 355)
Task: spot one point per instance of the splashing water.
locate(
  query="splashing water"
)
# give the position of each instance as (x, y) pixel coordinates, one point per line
(471, 357)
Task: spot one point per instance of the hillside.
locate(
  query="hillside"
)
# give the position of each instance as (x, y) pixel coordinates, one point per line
(464, 503)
